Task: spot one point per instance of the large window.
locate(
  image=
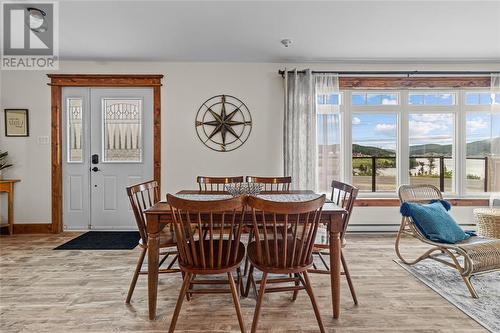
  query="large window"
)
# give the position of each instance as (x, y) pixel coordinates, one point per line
(374, 143)
(431, 149)
(482, 140)
(447, 138)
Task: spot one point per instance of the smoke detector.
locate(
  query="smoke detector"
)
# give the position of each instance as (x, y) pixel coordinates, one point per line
(286, 42)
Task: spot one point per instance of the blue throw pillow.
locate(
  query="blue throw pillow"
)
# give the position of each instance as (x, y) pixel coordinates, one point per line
(434, 222)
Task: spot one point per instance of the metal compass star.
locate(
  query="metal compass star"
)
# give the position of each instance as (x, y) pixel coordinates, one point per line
(223, 122)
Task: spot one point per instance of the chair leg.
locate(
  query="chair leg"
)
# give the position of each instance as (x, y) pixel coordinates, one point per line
(163, 259)
(173, 261)
(313, 301)
(189, 295)
(250, 236)
(249, 281)
(239, 283)
(323, 261)
(262, 290)
(136, 275)
(236, 300)
(469, 285)
(295, 292)
(182, 293)
(348, 277)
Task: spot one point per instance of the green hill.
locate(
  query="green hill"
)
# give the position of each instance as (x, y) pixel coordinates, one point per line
(371, 151)
(476, 148)
(430, 150)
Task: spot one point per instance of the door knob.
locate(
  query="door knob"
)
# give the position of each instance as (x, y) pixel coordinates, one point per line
(95, 169)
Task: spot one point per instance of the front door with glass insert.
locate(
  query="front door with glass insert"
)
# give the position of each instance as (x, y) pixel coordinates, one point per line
(108, 144)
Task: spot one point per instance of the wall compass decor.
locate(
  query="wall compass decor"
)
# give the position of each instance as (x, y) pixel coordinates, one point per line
(223, 123)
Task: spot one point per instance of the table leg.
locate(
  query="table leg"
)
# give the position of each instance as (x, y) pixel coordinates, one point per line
(335, 248)
(153, 260)
(10, 211)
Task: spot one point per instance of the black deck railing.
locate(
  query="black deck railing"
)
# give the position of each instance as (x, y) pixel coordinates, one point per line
(441, 168)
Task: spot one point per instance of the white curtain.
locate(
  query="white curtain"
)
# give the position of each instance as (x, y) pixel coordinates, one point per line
(494, 159)
(299, 130)
(312, 130)
(328, 130)
(495, 111)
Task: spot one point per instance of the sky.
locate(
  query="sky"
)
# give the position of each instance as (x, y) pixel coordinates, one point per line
(380, 129)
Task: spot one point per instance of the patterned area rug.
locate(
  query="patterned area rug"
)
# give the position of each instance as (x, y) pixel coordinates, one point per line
(449, 284)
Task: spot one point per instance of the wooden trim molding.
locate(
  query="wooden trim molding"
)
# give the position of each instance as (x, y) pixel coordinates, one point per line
(414, 82)
(57, 82)
(56, 158)
(105, 80)
(33, 228)
(392, 202)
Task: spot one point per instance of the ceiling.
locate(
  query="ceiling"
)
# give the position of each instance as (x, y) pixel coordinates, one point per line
(251, 31)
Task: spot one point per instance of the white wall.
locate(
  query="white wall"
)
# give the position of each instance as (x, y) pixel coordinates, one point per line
(185, 87)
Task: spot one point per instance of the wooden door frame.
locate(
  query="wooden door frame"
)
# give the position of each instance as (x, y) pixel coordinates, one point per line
(59, 81)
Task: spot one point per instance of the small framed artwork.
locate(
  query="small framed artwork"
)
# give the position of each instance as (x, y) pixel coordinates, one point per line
(16, 122)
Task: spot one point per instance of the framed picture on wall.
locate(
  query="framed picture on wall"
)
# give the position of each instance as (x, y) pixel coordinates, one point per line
(16, 122)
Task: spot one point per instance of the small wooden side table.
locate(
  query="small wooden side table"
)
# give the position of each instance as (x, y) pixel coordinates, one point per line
(7, 185)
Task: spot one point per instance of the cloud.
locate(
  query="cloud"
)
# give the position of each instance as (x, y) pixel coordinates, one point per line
(420, 128)
(444, 118)
(356, 121)
(387, 129)
(387, 101)
(476, 124)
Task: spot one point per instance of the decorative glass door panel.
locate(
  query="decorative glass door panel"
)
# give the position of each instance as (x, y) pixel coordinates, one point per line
(74, 124)
(122, 141)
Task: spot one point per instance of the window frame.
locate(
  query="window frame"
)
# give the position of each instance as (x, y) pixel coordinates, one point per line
(453, 92)
(402, 110)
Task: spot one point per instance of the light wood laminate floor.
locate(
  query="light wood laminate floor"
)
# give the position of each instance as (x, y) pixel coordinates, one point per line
(42, 290)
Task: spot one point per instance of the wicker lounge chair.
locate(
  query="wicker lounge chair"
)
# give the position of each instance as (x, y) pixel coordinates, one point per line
(480, 255)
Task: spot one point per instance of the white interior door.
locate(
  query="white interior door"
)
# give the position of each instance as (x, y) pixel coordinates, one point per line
(115, 150)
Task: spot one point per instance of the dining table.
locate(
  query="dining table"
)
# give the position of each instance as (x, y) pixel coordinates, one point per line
(159, 215)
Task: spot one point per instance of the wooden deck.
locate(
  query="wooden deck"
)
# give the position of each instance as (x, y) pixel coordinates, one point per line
(42, 290)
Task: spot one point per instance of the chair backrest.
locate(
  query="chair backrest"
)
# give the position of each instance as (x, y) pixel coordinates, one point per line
(344, 195)
(272, 184)
(207, 232)
(142, 196)
(285, 231)
(216, 184)
(418, 193)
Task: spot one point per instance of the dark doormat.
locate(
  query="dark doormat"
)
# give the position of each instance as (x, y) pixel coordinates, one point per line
(103, 240)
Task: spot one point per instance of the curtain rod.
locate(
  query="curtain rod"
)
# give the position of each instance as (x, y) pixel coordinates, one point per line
(408, 73)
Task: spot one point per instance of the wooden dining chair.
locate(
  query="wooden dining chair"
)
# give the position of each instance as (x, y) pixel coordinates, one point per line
(288, 251)
(343, 195)
(142, 196)
(271, 184)
(218, 251)
(216, 184)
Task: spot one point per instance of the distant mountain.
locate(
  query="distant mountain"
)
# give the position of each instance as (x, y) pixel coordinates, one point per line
(479, 148)
(430, 150)
(371, 151)
(476, 148)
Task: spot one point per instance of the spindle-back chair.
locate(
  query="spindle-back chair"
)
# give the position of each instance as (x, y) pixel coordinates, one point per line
(208, 239)
(284, 240)
(142, 196)
(343, 195)
(216, 184)
(271, 184)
